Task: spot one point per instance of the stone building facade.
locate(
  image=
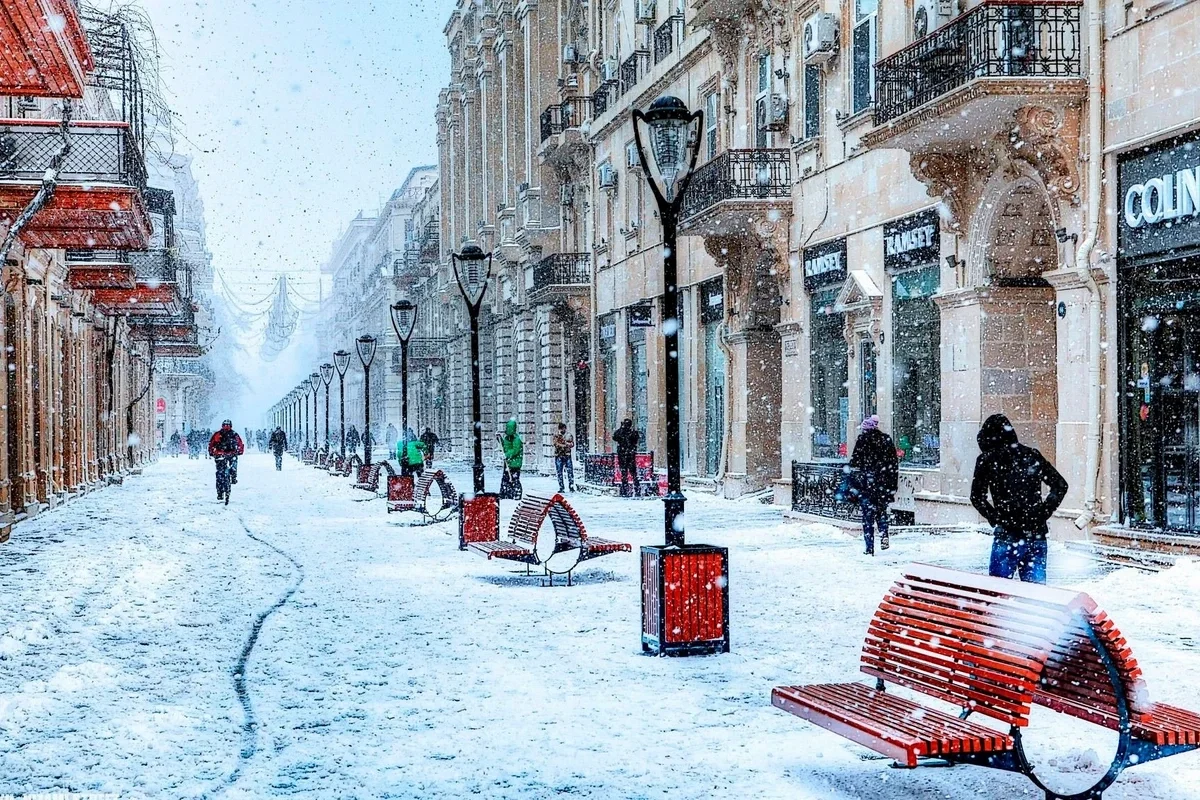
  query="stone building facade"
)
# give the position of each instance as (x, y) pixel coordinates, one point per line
(91, 293)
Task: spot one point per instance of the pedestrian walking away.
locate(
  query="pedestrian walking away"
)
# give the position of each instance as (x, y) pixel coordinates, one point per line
(564, 446)
(627, 439)
(410, 453)
(430, 440)
(514, 459)
(225, 446)
(874, 476)
(1007, 491)
(278, 444)
(173, 444)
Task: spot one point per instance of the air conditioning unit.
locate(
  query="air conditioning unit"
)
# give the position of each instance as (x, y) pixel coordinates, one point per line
(570, 55)
(647, 11)
(633, 159)
(608, 176)
(566, 194)
(608, 70)
(777, 114)
(820, 37)
(929, 15)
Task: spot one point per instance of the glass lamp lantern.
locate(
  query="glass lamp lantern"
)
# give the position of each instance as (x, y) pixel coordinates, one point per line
(472, 268)
(314, 380)
(673, 134)
(341, 360)
(326, 373)
(404, 319)
(366, 349)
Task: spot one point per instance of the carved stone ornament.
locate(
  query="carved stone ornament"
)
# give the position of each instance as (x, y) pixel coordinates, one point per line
(949, 177)
(1049, 144)
(726, 36)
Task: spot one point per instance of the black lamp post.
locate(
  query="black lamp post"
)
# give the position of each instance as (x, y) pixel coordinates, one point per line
(366, 354)
(341, 362)
(304, 389)
(692, 616)
(326, 378)
(472, 268)
(404, 319)
(314, 380)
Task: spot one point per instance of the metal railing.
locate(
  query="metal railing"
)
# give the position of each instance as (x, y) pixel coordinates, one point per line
(992, 40)
(561, 270)
(632, 69)
(667, 36)
(101, 152)
(814, 491)
(427, 349)
(154, 266)
(430, 243)
(739, 175)
(184, 366)
(90, 257)
(600, 98)
(570, 113)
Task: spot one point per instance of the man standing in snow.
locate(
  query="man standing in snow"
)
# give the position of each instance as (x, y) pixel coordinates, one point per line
(875, 471)
(1013, 474)
(277, 445)
(430, 440)
(564, 444)
(627, 444)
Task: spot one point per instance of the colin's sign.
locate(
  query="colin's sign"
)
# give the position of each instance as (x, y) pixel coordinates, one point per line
(1159, 191)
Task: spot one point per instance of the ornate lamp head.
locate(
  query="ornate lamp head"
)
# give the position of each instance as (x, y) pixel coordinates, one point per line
(673, 134)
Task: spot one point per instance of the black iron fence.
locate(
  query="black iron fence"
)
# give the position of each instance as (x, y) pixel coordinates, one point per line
(154, 266)
(992, 40)
(561, 269)
(600, 98)
(739, 175)
(570, 113)
(814, 491)
(100, 152)
(632, 69)
(667, 37)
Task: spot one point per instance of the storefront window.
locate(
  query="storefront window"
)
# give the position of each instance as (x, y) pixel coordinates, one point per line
(866, 374)
(916, 366)
(830, 398)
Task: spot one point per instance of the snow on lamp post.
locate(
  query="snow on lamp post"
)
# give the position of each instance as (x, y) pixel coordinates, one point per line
(479, 516)
(315, 381)
(341, 362)
(679, 617)
(366, 354)
(404, 319)
(327, 378)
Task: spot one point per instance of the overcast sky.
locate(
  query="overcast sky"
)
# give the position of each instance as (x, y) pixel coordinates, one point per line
(298, 113)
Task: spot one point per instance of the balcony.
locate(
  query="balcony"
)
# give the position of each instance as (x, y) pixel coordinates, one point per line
(99, 269)
(156, 291)
(183, 367)
(632, 70)
(173, 329)
(560, 276)
(962, 83)
(431, 243)
(427, 351)
(98, 201)
(561, 134)
(154, 267)
(43, 60)
(737, 188)
(667, 37)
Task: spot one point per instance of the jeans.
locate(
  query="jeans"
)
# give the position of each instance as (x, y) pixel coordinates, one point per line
(627, 464)
(561, 463)
(278, 461)
(1024, 557)
(872, 515)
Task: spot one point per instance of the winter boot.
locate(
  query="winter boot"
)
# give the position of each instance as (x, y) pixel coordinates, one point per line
(884, 544)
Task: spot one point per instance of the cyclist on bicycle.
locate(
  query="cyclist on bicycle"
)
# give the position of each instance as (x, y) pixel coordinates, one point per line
(225, 446)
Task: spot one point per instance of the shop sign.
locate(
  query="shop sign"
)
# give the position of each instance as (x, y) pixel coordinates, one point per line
(160, 405)
(641, 316)
(608, 329)
(913, 241)
(1159, 190)
(825, 264)
(712, 301)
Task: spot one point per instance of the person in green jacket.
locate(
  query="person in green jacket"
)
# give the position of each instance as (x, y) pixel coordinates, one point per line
(514, 459)
(410, 452)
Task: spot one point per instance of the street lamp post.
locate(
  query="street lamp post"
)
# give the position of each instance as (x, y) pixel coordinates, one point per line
(366, 354)
(479, 517)
(341, 362)
(314, 380)
(678, 617)
(303, 389)
(404, 319)
(326, 378)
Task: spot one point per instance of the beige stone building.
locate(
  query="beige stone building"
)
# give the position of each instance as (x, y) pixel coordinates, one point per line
(927, 210)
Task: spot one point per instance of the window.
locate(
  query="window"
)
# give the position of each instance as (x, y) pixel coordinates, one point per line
(866, 20)
(762, 103)
(829, 375)
(812, 101)
(712, 102)
(916, 366)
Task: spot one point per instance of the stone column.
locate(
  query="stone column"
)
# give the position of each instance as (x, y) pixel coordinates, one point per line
(754, 384)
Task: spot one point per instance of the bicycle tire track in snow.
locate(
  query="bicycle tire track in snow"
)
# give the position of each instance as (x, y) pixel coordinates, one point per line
(240, 687)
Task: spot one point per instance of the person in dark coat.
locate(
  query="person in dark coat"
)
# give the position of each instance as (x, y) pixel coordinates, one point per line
(173, 442)
(1007, 491)
(430, 440)
(627, 439)
(352, 439)
(277, 445)
(875, 472)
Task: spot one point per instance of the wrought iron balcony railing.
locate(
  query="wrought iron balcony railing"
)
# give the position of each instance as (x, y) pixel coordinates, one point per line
(101, 152)
(155, 266)
(667, 36)
(427, 349)
(993, 40)
(632, 69)
(561, 271)
(739, 175)
(85, 258)
(570, 113)
(184, 366)
(431, 242)
(600, 98)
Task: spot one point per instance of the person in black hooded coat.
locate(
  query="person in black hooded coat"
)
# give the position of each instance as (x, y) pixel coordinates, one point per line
(1007, 491)
(875, 473)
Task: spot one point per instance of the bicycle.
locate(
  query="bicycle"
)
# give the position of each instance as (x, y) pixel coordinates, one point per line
(224, 486)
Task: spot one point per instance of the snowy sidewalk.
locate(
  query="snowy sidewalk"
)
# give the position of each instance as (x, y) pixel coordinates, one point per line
(401, 667)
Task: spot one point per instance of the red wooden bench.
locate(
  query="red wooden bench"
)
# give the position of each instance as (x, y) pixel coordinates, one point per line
(368, 475)
(994, 648)
(557, 551)
(308, 455)
(418, 497)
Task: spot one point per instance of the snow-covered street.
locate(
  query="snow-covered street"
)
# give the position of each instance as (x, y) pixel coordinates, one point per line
(379, 661)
